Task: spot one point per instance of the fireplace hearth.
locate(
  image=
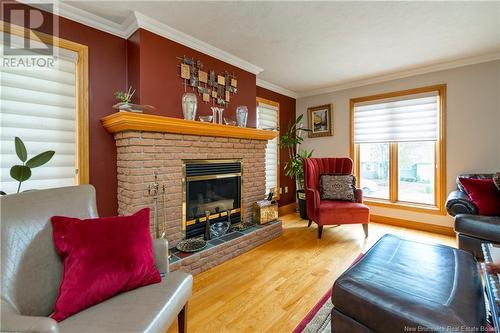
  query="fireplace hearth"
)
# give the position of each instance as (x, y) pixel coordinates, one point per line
(213, 188)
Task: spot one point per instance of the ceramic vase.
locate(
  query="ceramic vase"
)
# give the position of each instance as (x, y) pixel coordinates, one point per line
(189, 105)
(241, 115)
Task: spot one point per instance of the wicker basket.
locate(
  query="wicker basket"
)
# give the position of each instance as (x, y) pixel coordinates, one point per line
(263, 215)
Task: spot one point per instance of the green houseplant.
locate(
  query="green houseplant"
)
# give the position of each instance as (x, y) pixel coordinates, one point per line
(125, 98)
(22, 172)
(294, 166)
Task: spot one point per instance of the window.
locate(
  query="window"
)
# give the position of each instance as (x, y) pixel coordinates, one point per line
(47, 109)
(397, 143)
(374, 169)
(268, 118)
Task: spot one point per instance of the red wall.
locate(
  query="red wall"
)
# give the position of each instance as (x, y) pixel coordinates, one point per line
(287, 114)
(159, 83)
(107, 74)
(149, 63)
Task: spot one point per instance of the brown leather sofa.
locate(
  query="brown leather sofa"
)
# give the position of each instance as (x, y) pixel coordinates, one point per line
(31, 272)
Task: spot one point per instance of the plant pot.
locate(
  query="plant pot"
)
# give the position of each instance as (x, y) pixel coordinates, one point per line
(301, 197)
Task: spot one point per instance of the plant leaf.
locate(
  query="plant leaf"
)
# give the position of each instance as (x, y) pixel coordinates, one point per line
(20, 173)
(20, 149)
(40, 159)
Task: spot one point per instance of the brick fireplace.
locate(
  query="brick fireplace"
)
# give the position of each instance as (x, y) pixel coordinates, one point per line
(150, 145)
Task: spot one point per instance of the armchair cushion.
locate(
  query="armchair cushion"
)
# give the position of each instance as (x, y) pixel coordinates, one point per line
(102, 257)
(342, 212)
(148, 309)
(483, 194)
(337, 187)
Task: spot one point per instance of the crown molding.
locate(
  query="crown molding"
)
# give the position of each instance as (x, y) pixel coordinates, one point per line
(79, 15)
(403, 74)
(130, 25)
(277, 89)
(137, 20)
(152, 25)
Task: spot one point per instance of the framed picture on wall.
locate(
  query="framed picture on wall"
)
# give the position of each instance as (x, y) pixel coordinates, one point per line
(320, 121)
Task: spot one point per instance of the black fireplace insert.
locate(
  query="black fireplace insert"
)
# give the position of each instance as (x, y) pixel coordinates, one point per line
(210, 187)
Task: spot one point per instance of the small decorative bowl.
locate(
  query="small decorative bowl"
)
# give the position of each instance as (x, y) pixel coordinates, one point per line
(219, 229)
(191, 245)
(229, 121)
(206, 119)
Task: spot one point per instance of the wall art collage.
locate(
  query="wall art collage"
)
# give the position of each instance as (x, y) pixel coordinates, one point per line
(215, 88)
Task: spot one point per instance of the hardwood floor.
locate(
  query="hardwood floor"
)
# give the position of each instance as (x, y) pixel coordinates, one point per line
(272, 287)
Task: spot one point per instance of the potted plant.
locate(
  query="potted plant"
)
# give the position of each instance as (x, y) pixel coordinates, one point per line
(294, 166)
(22, 172)
(125, 97)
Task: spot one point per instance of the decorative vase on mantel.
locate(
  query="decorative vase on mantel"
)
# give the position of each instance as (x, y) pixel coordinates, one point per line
(241, 115)
(189, 105)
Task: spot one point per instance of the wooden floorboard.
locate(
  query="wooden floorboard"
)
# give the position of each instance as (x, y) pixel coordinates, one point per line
(272, 287)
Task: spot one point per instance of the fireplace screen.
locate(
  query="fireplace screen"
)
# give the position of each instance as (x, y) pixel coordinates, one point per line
(213, 188)
(213, 195)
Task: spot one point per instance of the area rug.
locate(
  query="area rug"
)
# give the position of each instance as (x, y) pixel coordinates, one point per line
(318, 319)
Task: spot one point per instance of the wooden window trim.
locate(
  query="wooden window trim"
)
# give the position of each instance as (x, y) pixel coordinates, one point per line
(264, 101)
(440, 156)
(82, 96)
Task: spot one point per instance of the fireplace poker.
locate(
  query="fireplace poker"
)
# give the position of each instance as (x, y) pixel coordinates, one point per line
(164, 223)
(153, 189)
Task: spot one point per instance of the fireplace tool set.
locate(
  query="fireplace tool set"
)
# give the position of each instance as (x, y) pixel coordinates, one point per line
(154, 190)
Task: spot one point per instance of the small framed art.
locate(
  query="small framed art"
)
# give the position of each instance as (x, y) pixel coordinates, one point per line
(320, 121)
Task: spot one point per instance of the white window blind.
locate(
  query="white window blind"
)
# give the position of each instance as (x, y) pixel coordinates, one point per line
(267, 118)
(407, 118)
(39, 106)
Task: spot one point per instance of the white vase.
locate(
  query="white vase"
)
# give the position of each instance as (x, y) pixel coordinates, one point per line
(241, 115)
(189, 105)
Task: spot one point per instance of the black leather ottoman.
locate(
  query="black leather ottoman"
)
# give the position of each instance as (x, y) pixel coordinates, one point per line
(405, 286)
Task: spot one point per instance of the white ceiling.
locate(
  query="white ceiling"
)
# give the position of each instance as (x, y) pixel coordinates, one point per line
(306, 46)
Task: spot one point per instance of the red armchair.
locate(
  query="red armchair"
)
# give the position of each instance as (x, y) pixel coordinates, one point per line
(332, 212)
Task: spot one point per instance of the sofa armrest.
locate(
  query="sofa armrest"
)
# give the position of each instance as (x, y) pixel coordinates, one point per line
(160, 250)
(359, 195)
(11, 321)
(459, 202)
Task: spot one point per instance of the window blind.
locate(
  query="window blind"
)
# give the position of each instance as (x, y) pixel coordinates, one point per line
(408, 118)
(267, 118)
(39, 106)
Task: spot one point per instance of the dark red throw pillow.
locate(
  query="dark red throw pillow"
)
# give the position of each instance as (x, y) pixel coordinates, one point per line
(101, 257)
(483, 194)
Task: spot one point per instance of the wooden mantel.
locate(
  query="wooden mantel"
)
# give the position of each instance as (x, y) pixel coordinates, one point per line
(128, 121)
